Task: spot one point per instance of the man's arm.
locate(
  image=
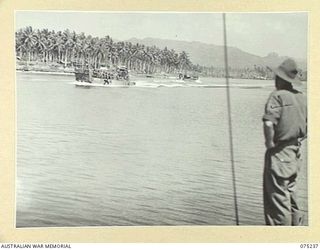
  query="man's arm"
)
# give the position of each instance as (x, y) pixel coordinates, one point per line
(268, 134)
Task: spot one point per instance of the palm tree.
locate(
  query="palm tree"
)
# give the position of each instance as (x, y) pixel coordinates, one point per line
(41, 43)
(184, 61)
(28, 40)
(100, 52)
(57, 45)
(66, 46)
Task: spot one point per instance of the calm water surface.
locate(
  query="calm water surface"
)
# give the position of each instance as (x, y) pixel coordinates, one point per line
(146, 155)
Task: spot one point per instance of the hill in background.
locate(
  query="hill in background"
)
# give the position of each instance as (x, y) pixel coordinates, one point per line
(213, 55)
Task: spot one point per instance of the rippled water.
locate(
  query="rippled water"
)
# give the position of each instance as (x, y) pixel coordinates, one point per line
(154, 154)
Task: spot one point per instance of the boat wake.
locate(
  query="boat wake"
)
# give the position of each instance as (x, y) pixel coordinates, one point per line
(165, 84)
(195, 84)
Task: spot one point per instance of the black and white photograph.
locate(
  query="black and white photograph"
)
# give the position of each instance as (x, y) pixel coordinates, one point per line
(161, 118)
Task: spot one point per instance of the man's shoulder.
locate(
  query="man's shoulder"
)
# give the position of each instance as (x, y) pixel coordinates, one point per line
(285, 97)
(275, 94)
(283, 92)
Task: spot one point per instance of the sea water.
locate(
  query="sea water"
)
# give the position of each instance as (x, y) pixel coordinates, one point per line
(157, 153)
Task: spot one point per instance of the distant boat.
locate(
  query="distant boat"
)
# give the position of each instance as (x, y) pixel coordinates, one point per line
(161, 75)
(188, 77)
(86, 77)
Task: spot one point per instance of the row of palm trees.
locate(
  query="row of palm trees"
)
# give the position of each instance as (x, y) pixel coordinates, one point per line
(68, 47)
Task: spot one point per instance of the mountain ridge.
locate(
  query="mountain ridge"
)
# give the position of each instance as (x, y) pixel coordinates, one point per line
(213, 55)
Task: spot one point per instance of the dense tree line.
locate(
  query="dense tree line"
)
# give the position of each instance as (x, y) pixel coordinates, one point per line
(68, 47)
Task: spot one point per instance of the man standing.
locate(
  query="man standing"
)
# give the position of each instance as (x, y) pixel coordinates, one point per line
(285, 123)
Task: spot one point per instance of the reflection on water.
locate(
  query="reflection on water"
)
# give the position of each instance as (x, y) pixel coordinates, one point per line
(148, 155)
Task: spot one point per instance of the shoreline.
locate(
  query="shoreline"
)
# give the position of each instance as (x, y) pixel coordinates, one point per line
(35, 71)
(45, 72)
(58, 69)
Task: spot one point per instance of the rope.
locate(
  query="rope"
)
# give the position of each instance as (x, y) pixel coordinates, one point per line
(230, 120)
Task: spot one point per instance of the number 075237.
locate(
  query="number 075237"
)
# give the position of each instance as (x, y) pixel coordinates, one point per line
(309, 246)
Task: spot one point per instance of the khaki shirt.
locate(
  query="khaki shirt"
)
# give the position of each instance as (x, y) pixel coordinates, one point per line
(287, 110)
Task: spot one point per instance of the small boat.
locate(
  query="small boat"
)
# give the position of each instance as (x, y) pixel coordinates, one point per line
(86, 77)
(188, 77)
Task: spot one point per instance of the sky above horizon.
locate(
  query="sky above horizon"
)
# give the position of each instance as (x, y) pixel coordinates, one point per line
(255, 33)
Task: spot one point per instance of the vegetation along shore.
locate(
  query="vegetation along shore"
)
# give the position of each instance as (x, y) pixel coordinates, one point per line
(58, 52)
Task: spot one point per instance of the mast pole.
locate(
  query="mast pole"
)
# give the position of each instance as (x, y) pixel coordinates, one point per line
(230, 119)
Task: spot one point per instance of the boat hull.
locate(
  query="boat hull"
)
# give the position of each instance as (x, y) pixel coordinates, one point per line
(111, 82)
(99, 82)
(86, 85)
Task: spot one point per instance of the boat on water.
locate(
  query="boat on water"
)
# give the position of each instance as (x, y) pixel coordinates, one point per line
(161, 75)
(188, 77)
(184, 78)
(102, 77)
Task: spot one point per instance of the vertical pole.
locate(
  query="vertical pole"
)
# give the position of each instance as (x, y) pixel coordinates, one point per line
(229, 119)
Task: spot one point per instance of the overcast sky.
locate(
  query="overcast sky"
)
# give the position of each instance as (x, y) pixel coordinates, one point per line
(256, 33)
